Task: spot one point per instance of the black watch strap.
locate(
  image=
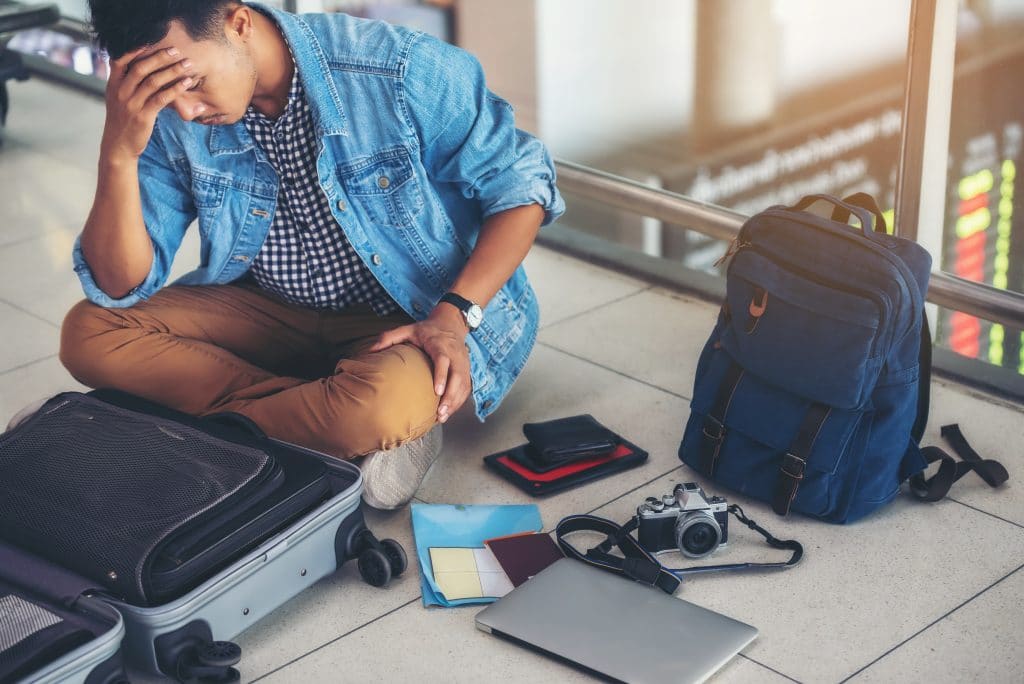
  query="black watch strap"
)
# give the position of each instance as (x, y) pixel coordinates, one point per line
(458, 301)
(471, 312)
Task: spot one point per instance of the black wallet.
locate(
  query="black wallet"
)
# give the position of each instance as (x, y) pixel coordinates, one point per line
(508, 465)
(556, 442)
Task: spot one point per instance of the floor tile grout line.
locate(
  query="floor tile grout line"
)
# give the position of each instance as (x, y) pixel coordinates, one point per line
(639, 486)
(336, 639)
(991, 515)
(597, 307)
(932, 624)
(28, 313)
(26, 365)
(770, 669)
(612, 370)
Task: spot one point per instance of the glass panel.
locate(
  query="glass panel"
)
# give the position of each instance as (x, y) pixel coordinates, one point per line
(740, 103)
(983, 237)
(73, 9)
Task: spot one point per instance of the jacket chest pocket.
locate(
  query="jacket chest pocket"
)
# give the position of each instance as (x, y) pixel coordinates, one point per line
(207, 194)
(385, 187)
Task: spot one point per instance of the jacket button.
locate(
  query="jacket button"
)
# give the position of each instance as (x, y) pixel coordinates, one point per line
(383, 182)
(417, 308)
(342, 206)
(377, 261)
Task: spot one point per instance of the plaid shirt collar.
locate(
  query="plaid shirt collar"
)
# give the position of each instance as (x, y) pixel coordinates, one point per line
(295, 95)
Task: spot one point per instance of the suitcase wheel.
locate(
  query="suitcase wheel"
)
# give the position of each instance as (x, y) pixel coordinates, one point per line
(396, 556)
(378, 561)
(374, 567)
(219, 654)
(210, 663)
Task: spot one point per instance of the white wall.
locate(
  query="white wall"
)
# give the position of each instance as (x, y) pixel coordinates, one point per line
(610, 69)
(1006, 9)
(824, 40)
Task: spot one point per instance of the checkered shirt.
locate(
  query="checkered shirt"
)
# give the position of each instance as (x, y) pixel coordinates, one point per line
(306, 258)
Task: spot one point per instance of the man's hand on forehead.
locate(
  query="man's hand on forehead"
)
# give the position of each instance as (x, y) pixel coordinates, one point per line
(139, 56)
(149, 53)
(142, 83)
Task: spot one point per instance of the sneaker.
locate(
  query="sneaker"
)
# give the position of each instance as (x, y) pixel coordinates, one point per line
(390, 478)
(25, 413)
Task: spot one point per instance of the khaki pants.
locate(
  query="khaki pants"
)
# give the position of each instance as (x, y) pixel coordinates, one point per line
(303, 376)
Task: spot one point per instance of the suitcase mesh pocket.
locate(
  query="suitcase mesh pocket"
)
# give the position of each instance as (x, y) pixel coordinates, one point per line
(33, 637)
(20, 619)
(96, 488)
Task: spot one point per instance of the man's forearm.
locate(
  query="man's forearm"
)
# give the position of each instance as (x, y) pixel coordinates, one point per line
(114, 241)
(504, 241)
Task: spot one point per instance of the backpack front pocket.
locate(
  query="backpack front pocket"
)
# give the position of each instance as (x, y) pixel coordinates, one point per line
(755, 442)
(818, 337)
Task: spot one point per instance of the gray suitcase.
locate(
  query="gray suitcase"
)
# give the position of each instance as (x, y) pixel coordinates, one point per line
(182, 637)
(187, 636)
(51, 631)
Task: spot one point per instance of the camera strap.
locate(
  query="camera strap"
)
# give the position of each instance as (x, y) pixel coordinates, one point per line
(637, 563)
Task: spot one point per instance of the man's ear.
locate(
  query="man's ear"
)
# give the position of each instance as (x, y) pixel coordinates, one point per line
(238, 23)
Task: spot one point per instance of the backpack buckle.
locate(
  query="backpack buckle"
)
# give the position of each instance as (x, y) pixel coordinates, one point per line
(717, 426)
(790, 460)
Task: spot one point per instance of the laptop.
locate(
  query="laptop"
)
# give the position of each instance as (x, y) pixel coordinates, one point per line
(614, 627)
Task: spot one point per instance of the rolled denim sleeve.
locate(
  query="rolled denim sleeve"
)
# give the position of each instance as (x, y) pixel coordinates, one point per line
(167, 210)
(469, 135)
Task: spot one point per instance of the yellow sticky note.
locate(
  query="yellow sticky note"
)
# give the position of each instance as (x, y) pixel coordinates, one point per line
(452, 560)
(462, 573)
(459, 585)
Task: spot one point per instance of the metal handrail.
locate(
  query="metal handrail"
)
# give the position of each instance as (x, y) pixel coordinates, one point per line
(952, 292)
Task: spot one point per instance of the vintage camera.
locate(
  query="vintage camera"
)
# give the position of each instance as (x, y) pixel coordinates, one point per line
(686, 520)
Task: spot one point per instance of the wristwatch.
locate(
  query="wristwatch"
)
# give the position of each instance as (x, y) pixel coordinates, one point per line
(471, 311)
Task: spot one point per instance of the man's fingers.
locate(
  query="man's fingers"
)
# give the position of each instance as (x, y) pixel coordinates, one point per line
(441, 366)
(166, 96)
(137, 70)
(455, 395)
(119, 66)
(458, 388)
(391, 338)
(158, 82)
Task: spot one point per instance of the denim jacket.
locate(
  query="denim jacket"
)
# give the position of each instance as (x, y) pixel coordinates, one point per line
(416, 153)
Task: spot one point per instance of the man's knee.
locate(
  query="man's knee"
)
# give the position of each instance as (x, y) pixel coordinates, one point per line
(399, 402)
(80, 333)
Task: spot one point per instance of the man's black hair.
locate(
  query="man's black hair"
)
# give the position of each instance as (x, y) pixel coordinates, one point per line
(125, 25)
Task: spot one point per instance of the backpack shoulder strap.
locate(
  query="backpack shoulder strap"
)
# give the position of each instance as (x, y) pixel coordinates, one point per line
(924, 381)
(950, 469)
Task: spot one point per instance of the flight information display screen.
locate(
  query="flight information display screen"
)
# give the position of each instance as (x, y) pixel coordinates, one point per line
(984, 236)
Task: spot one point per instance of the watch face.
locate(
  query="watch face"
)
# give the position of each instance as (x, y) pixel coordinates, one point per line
(474, 316)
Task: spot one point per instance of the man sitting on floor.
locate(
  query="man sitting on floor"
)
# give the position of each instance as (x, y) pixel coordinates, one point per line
(364, 205)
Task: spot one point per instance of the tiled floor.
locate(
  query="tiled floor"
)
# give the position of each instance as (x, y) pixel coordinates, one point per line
(920, 593)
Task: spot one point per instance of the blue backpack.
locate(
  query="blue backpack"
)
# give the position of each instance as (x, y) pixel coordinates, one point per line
(812, 391)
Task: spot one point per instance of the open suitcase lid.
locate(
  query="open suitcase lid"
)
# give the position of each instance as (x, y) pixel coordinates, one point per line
(51, 629)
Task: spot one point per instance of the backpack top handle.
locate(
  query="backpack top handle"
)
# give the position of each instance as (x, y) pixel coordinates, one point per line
(871, 219)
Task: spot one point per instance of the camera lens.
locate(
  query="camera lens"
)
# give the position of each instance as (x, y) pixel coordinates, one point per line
(697, 534)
